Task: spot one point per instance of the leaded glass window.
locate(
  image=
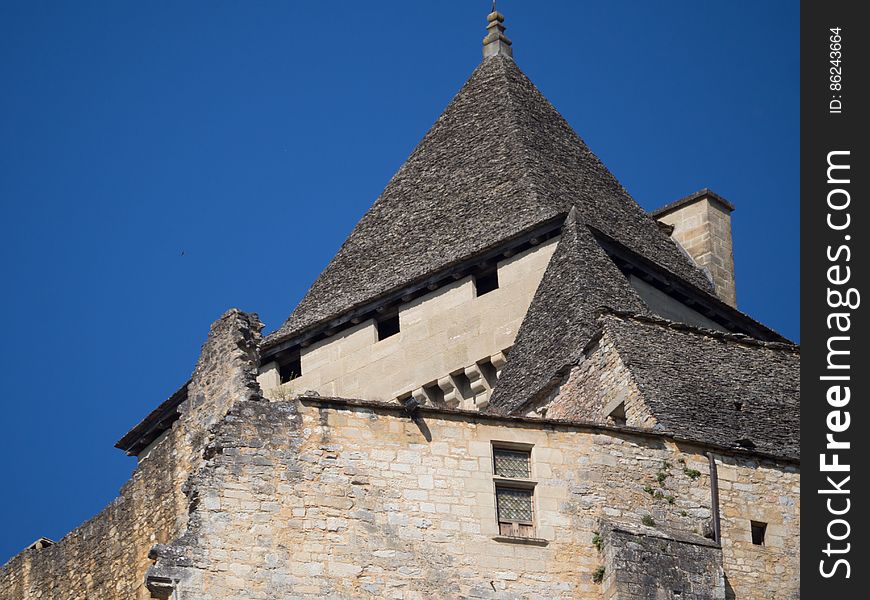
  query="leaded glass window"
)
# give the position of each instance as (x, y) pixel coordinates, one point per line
(514, 505)
(512, 463)
(514, 492)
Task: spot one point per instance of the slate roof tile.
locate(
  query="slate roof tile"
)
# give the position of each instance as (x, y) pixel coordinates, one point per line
(701, 384)
(499, 161)
(580, 282)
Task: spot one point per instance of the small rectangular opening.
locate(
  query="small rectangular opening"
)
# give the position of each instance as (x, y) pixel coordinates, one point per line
(758, 531)
(486, 282)
(290, 367)
(617, 415)
(388, 326)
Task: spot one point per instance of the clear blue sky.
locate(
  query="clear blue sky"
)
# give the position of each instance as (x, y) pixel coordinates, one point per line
(163, 161)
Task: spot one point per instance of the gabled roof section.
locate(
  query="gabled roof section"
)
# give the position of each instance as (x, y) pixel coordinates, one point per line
(700, 384)
(498, 162)
(580, 282)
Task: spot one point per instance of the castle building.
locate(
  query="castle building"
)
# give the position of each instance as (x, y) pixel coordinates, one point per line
(510, 382)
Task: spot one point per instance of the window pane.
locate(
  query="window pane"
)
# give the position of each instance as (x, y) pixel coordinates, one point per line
(514, 505)
(511, 463)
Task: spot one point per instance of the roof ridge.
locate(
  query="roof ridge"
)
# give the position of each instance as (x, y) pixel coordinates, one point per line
(738, 338)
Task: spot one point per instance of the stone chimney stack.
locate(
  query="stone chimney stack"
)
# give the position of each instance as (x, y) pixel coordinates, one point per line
(701, 224)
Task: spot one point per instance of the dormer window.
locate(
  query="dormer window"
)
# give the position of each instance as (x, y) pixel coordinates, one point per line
(617, 415)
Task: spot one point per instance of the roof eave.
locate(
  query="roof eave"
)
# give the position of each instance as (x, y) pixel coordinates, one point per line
(157, 421)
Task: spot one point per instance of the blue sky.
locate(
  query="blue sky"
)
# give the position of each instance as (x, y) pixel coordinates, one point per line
(161, 162)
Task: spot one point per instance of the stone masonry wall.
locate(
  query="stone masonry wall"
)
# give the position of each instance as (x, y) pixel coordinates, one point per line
(312, 498)
(643, 565)
(320, 498)
(107, 557)
(756, 491)
(443, 332)
(600, 381)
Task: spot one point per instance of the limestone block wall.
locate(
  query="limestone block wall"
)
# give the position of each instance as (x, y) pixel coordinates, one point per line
(595, 386)
(107, 557)
(323, 498)
(703, 228)
(754, 491)
(441, 333)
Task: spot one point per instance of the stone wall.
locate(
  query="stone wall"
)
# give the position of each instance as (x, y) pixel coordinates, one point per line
(445, 331)
(596, 385)
(319, 497)
(643, 565)
(107, 556)
(661, 304)
(325, 498)
(756, 491)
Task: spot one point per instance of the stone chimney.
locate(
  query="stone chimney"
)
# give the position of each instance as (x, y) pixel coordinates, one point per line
(701, 224)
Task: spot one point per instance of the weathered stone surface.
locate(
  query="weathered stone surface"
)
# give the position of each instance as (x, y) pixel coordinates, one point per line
(321, 498)
(598, 382)
(703, 385)
(499, 161)
(107, 556)
(442, 332)
(580, 281)
(648, 565)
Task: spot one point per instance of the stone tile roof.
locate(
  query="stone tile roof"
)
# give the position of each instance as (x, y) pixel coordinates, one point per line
(732, 390)
(498, 162)
(580, 281)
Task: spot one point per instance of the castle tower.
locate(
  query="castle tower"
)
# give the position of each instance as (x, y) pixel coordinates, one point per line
(426, 297)
(510, 381)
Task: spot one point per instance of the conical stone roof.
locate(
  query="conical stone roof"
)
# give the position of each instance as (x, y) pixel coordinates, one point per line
(498, 162)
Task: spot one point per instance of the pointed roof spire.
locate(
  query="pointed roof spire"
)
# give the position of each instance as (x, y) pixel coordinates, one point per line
(463, 191)
(496, 42)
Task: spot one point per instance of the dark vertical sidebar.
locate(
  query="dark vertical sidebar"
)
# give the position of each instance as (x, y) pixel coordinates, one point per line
(835, 368)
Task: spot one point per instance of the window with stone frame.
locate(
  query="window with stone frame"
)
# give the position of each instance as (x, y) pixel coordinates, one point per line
(514, 490)
(758, 530)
